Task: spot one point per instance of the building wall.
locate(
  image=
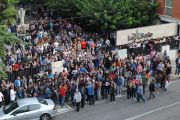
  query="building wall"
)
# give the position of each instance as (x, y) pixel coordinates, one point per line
(161, 7)
(175, 9)
(157, 30)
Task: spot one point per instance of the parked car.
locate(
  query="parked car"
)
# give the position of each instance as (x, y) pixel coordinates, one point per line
(29, 109)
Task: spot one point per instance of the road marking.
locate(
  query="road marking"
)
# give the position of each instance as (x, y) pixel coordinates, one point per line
(63, 110)
(174, 81)
(100, 101)
(138, 116)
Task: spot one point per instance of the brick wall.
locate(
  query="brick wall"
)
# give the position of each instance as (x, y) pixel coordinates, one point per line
(176, 9)
(161, 7)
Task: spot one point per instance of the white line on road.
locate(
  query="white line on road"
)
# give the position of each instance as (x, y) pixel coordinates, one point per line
(138, 116)
(100, 101)
(174, 81)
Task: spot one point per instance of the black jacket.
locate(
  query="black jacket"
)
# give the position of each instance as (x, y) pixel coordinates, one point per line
(177, 60)
(112, 89)
(54, 96)
(151, 87)
(83, 94)
(129, 89)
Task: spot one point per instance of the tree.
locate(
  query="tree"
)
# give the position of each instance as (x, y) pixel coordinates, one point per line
(8, 14)
(68, 7)
(117, 14)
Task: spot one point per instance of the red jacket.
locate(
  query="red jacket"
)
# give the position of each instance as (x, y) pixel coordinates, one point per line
(135, 81)
(62, 92)
(83, 44)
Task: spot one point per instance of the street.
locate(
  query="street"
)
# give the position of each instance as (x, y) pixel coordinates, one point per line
(165, 106)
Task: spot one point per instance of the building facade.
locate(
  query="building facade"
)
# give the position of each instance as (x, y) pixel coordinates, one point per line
(169, 11)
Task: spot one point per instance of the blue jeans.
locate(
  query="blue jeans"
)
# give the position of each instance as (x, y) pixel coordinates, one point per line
(154, 72)
(23, 95)
(91, 99)
(105, 93)
(67, 96)
(41, 96)
(62, 101)
(177, 69)
(169, 77)
(96, 94)
(55, 102)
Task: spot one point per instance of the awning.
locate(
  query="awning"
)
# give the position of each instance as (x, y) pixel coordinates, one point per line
(169, 19)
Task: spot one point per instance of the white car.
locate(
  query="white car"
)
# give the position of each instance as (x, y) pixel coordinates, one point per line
(29, 109)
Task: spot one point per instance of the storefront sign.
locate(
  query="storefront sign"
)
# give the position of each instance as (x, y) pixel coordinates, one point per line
(139, 35)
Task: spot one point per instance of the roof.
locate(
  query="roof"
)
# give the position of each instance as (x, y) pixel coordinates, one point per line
(27, 101)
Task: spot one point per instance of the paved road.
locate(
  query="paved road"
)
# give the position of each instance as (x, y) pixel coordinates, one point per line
(165, 106)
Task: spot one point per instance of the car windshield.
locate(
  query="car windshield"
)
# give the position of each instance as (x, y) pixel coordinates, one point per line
(10, 107)
(42, 101)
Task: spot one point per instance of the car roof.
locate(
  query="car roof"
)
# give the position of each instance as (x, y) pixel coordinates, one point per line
(27, 101)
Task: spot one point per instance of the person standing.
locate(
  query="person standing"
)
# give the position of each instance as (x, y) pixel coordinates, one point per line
(54, 96)
(158, 80)
(77, 97)
(96, 90)
(140, 93)
(83, 44)
(177, 65)
(134, 84)
(119, 86)
(151, 89)
(62, 95)
(129, 90)
(17, 83)
(144, 82)
(1, 98)
(83, 95)
(12, 94)
(112, 93)
(91, 93)
(6, 95)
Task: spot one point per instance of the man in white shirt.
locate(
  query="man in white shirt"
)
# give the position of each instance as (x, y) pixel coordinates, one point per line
(56, 44)
(1, 98)
(77, 97)
(138, 45)
(46, 44)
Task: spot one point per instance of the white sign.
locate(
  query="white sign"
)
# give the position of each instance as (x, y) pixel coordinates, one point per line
(155, 30)
(120, 52)
(124, 51)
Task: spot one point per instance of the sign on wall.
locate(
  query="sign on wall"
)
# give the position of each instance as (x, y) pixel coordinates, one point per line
(156, 31)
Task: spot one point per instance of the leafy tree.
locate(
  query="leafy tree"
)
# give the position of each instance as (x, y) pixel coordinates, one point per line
(68, 7)
(117, 14)
(8, 14)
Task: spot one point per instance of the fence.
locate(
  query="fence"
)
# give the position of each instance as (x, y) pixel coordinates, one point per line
(27, 72)
(157, 48)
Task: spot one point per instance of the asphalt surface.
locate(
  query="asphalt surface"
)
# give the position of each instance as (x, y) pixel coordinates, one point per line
(165, 106)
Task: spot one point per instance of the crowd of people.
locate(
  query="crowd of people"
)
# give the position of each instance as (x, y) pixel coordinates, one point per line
(89, 73)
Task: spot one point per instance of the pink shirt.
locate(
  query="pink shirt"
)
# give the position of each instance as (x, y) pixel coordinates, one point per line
(152, 54)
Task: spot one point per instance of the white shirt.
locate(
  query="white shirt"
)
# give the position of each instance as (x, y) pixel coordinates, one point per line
(56, 44)
(138, 45)
(46, 44)
(12, 95)
(78, 97)
(1, 95)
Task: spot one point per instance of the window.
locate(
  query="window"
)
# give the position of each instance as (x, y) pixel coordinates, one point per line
(151, 1)
(169, 6)
(42, 101)
(34, 107)
(20, 110)
(10, 107)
